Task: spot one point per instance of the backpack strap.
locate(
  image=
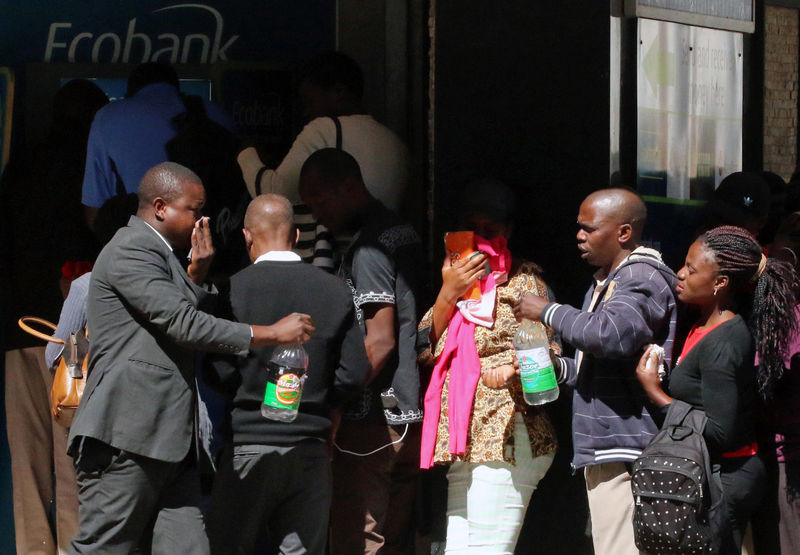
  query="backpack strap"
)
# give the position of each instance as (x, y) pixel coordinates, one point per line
(682, 418)
(677, 413)
(338, 126)
(696, 419)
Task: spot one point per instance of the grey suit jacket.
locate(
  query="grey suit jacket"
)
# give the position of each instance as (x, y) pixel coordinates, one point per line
(144, 317)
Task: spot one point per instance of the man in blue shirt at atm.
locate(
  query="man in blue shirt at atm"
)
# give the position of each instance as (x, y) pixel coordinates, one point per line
(129, 136)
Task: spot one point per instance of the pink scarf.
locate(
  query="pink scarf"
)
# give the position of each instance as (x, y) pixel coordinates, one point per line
(461, 356)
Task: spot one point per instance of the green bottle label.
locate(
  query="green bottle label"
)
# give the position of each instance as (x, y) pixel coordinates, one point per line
(285, 393)
(536, 370)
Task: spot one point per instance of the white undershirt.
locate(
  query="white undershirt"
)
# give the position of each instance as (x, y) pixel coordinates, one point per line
(278, 256)
(157, 233)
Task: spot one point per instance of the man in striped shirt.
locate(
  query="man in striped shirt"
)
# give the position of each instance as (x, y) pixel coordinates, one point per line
(630, 305)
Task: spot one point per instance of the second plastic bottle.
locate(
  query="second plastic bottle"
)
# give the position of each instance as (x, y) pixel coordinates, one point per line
(536, 372)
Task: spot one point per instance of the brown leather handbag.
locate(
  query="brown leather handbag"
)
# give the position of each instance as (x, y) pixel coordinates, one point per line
(70, 376)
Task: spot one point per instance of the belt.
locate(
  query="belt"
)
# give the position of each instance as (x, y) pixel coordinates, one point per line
(746, 451)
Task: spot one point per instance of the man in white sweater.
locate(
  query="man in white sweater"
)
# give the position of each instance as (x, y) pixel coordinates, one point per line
(331, 88)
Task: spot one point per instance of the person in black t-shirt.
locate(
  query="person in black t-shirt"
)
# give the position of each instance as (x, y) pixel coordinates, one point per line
(377, 463)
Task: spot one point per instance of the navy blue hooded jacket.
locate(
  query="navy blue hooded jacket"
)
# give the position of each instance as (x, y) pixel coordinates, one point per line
(637, 306)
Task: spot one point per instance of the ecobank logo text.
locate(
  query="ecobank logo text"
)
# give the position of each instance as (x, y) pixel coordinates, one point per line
(138, 47)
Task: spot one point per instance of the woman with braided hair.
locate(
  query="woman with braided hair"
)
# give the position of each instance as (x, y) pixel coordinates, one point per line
(746, 306)
(776, 526)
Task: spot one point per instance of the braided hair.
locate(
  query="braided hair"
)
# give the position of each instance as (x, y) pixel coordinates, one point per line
(765, 290)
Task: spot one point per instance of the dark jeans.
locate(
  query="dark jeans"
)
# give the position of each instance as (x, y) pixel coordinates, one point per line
(743, 482)
(271, 499)
(130, 503)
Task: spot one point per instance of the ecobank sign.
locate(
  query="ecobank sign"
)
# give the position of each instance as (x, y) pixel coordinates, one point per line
(180, 33)
(174, 31)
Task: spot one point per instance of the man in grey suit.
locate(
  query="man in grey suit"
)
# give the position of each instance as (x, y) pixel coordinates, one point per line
(132, 436)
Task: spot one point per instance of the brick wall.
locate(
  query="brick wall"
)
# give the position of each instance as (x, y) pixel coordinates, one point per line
(780, 90)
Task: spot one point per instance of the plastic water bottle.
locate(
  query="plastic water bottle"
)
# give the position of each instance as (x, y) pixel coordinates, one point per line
(286, 373)
(538, 378)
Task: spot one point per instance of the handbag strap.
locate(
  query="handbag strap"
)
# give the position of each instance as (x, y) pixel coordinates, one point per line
(24, 324)
(338, 126)
(259, 175)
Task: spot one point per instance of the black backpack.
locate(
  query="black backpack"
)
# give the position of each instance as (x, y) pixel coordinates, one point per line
(210, 150)
(678, 503)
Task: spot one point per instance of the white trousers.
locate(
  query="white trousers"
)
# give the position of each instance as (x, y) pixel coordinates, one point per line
(486, 503)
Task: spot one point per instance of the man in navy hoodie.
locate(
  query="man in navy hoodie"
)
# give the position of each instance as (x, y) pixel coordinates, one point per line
(630, 305)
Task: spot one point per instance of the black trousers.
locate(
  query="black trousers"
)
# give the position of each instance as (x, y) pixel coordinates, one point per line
(130, 503)
(271, 499)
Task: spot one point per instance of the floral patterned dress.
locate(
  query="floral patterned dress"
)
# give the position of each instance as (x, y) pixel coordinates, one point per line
(491, 428)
